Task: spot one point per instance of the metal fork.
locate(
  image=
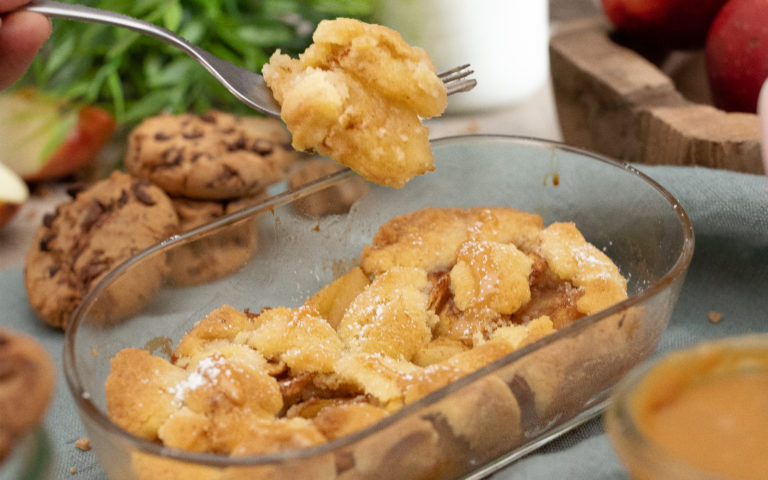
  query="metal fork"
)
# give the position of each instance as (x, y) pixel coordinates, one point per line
(247, 86)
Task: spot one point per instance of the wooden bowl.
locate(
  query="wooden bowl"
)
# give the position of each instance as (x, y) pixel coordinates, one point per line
(613, 100)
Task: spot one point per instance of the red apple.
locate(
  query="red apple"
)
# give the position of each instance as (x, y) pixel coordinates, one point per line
(42, 137)
(667, 24)
(737, 55)
(13, 193)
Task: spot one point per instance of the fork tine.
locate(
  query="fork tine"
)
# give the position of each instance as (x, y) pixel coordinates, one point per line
(453, 70)
(462, 86)
(456, 80)
(456, 76)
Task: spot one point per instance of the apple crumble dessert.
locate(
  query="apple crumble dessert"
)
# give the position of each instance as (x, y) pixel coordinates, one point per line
(438, 294)
(358, 95)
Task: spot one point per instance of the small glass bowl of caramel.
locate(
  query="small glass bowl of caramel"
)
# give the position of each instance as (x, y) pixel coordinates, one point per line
(696, 413)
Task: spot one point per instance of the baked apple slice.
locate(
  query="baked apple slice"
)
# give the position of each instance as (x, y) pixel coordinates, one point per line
(44, 137)
(13, 193)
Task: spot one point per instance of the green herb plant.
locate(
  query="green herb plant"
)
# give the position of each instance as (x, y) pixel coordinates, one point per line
(134, 76)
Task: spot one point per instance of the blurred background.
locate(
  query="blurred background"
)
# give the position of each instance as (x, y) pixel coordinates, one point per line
(132, 76)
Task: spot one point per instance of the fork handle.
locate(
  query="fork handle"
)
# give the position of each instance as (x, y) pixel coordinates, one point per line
(71, 11)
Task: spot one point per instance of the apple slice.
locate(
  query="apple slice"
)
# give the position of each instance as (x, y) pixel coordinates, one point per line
(44, 137)
(13, 193)
(332, 301)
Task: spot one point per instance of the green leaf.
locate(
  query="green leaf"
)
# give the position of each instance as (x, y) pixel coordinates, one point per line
(120, 69)
(173, 73)
(152, 68)
(350, 8)
(59, 55)
(115, 86)
(221, 51)
(149, 105)
(124, 41)
(172, 16)
(193, 31)
(77, 90)
(263, 35)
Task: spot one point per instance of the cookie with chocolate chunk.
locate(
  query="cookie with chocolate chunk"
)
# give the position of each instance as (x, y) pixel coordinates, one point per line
(213, 156)
(220, 252)
(27, 377)
(336, 199)
(84, 239)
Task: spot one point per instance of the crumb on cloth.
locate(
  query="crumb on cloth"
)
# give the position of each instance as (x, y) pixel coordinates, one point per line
(83, 444)
(715, 317)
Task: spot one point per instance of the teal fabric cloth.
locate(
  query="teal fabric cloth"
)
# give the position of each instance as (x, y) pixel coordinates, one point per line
(728, 274)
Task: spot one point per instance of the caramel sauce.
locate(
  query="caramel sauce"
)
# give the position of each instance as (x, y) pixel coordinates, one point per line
(710, 412)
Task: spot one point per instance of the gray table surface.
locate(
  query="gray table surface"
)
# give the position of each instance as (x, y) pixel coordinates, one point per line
(728, 274)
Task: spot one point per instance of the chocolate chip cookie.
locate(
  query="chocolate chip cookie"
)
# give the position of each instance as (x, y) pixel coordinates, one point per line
(213, 156)
(27, 377)
(84, 239)
(219, 253)
(336, 199)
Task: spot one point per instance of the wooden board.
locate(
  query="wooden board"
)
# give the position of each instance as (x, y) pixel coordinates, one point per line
(613, 101)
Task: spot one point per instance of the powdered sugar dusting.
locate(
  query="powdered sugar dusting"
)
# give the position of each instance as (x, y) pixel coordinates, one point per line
(207, 372)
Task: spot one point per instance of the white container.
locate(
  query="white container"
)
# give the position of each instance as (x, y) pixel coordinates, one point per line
(505, 41)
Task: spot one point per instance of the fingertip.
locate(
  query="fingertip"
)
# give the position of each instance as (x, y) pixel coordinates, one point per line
(30, 29)
(21, 36)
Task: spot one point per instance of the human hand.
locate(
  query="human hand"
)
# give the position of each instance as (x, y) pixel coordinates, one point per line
(21, 36)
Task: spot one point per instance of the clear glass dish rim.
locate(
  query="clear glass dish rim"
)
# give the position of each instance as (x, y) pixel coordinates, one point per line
(88, 408)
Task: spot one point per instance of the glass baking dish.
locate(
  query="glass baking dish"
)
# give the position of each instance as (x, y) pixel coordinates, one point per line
(272, 254)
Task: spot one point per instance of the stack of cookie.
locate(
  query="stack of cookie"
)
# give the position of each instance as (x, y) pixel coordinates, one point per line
(183, 171)
(85, 238)
(213, 157)
(211, 165)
